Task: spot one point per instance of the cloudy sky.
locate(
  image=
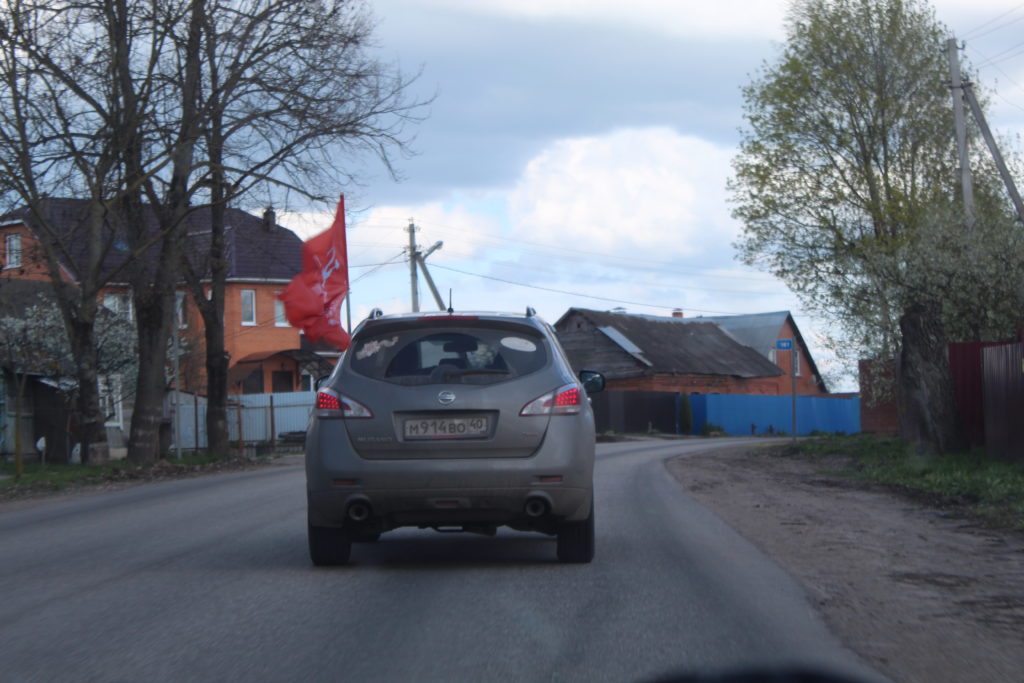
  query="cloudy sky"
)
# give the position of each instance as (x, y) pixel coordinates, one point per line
(577, 151)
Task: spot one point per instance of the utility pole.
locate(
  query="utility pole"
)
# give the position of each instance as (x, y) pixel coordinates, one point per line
(966, 182)
(416, 257)
(962, 90)
(422, 260)
(997, 157)
(413, 253)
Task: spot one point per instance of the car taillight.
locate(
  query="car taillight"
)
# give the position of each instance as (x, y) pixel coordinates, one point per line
(326, 401)
(330, 404)
(565, 400)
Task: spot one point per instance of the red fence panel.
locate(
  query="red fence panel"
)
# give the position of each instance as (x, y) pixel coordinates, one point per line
(1004, 400)
(965, 365)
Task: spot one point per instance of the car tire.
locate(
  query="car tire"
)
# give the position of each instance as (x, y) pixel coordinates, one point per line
(329, 547)
(575, 543)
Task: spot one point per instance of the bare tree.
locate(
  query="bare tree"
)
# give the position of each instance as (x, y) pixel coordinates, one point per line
(60, 119)
(289, 94)
(144, 112)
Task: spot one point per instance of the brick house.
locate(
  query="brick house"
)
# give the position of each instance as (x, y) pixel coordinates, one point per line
(266, 354)
(704, 355)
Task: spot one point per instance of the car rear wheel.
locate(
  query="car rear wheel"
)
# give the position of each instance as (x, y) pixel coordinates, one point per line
(576, 540)
(329, 547)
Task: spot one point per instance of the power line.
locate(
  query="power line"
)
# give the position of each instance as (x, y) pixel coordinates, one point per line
(1009, 78)
(1001, 56)
(378, 267)
(547, 249)
(718, 290)
(971, 34)
(579, 294)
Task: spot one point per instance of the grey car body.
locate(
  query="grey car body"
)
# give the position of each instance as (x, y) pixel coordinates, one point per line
(467, 421)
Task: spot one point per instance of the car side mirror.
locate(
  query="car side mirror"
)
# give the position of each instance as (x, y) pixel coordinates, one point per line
(592, 381)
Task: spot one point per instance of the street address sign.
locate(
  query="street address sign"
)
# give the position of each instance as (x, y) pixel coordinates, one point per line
(784, 344)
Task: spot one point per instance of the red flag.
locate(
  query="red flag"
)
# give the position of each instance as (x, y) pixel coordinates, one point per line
(312, 300)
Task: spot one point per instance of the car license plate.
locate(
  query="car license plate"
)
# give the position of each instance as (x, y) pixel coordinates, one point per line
(447, 428)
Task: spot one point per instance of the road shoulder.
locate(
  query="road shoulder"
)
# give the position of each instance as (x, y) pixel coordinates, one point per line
(919, 594)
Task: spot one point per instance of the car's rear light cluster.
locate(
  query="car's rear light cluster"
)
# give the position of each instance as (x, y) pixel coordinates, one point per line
(331, 404)
(327, 401)
(565, 400)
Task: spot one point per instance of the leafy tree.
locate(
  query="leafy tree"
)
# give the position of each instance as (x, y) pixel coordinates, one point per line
(846, 187)
(34, 340)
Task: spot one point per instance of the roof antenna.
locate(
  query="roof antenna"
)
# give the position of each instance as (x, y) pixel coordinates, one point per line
(450, 309)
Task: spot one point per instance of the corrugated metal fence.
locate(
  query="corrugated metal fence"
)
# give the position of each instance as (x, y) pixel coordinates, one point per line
(1003, 369)
(253, 418)
(642, 411)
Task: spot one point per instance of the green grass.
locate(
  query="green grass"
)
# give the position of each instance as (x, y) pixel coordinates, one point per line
(53, 477)
(56, 477)
(989, 489)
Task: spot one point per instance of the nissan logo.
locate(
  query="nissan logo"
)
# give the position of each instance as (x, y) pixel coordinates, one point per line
(446, 397)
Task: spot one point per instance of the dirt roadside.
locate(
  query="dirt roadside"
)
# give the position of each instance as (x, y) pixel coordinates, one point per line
(922, 595)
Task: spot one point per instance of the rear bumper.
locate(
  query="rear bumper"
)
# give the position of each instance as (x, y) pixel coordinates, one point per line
(448, 507)
(449, 492)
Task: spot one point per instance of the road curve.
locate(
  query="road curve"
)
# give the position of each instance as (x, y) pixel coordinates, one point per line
(208, 579)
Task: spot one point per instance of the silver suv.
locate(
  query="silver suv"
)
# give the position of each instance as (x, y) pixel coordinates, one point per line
(452, 421)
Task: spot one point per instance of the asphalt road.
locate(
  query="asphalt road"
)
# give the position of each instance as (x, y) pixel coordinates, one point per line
(209, 579)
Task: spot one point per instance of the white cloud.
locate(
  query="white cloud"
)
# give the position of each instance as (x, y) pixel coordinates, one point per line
(649, 193)
(691, 18)
(460, 226)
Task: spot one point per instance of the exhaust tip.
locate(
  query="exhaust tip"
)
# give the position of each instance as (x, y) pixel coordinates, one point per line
(359, 511)
(536, 507)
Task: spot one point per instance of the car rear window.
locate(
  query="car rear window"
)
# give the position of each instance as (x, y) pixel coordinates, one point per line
(449, 356)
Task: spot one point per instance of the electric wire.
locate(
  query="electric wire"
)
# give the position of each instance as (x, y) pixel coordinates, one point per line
(547, 249)
(1005, 75)
(973, 35)
(577, 294)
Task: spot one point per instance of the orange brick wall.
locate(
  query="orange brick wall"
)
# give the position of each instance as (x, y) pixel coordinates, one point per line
(879, 413)
(33, 263)
(241, 340)
(805, 383)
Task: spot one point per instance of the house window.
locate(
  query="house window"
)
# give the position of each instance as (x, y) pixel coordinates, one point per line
(179, 310)
(110, 400)
(796, 362)
(772, 356)
(118, 302)
(280, 320)
(248, 306)
(13, 251)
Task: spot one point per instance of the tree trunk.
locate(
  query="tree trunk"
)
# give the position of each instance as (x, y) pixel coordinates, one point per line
(212, 309)
(217, 391)
(154, 315)
(928, 414)
(92, 435)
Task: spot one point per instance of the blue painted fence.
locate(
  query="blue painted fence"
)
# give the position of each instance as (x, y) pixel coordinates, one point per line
(744, 415)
